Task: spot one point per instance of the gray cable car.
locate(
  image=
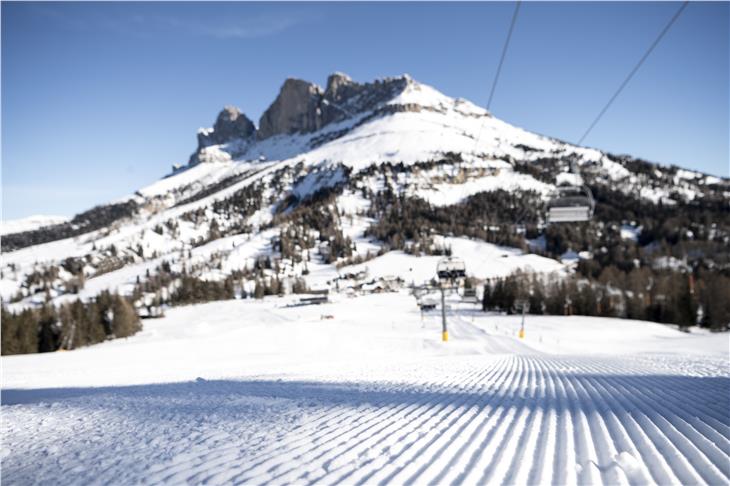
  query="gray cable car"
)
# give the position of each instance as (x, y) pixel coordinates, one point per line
(572, 204)
(451, 268)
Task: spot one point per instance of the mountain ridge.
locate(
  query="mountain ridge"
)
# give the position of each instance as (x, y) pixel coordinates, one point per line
(319, 191)
(300, 107)
(234, 137)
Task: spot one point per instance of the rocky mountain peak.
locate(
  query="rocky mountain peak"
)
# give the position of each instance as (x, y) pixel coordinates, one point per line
(339, 86)
(231, 124)
(295, 110)
(300, 107)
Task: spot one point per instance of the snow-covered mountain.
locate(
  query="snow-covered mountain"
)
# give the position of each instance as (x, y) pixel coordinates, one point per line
(297, 197)
(30, 223)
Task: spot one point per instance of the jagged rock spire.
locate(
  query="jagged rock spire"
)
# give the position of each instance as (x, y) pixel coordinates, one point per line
(296, 109)
(231, 124)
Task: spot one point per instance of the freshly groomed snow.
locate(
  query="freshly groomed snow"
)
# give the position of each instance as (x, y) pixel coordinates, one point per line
(362, 390)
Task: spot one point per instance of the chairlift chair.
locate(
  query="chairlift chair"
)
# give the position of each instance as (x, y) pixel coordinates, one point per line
(470, 296)
(427, 304)
(572, 204)
(451, 268)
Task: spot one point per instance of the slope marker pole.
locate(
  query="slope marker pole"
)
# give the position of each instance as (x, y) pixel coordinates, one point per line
(444, 329)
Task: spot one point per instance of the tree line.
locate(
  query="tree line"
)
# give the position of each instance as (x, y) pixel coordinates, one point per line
(68, 326)
(667, 297)
(91, 220)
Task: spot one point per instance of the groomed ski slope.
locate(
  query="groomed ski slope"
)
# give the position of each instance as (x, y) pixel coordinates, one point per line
(256, 392)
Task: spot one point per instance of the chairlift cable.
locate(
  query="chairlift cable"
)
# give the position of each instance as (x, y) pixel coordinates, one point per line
(636, 68)
(511, 29)
(504, 53)
(499, 69)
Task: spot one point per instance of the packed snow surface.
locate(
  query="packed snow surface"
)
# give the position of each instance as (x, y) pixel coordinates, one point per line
(362, 390)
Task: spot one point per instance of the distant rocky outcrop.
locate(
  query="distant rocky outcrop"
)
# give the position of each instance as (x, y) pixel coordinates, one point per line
(303, 107)
(296, 110)
(340, 88)
(230, 126)
(300, 107)
(350, 98)
(340, 91)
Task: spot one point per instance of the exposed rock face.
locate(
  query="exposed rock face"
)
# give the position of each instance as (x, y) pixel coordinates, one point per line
(340, 91)
(230, 125)
(296, 110)
(303, 107)
(300, 107)
(341, 87)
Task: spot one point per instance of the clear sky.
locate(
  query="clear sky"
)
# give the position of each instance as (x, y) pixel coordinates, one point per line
(99, 99)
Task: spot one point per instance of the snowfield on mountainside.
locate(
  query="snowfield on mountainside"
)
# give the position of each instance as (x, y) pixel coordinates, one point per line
(391, 121)
(362, 390)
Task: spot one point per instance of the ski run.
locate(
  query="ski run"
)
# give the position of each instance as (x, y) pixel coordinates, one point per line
(362, 391)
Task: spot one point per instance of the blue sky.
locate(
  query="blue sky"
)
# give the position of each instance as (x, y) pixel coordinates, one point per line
(99, 99)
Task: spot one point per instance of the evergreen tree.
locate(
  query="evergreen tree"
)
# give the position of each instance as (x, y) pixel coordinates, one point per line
(19, 333)
(686, 302)
(48, 333)
(487, 296)
(125, 321)
(259, 290)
